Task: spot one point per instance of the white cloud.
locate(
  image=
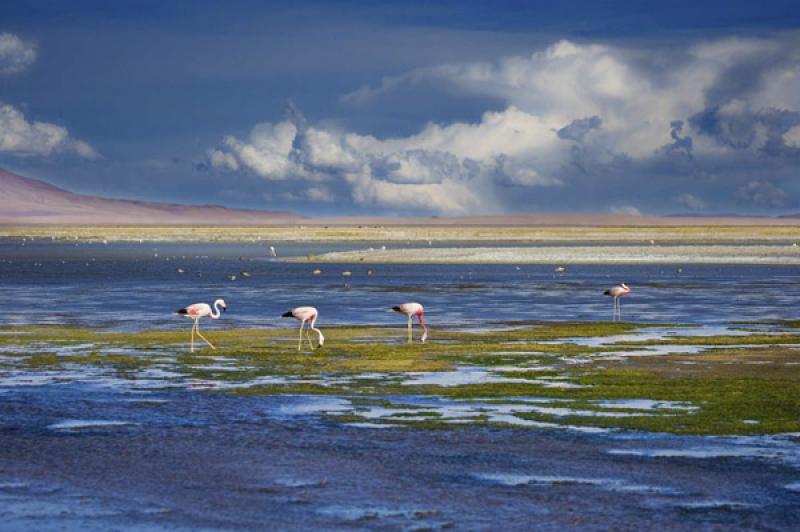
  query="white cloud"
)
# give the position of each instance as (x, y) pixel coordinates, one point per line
(573, 112)
(320, 194)
(266, 152)
(22, 138)
(449, 169)
(16, 55)
(692, 202)
(792, 137)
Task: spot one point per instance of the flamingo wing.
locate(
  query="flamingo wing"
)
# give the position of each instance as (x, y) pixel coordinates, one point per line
(198, 310)
(302, 313)
(411, 308)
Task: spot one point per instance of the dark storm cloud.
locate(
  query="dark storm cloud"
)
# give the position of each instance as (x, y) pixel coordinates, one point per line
(762, 193)
(743, 129)
(577, 129)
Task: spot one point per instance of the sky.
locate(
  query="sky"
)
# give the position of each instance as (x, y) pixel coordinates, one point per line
(409, 107)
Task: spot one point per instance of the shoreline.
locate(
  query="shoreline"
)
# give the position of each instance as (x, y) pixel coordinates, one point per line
(512, 234)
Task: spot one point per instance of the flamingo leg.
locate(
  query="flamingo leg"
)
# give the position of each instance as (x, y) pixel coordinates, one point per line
(619, 310)
(204, 338)
(410, 339)
(300, 342)
(193, 327)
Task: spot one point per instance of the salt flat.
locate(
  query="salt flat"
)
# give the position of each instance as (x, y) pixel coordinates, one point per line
(628, 254)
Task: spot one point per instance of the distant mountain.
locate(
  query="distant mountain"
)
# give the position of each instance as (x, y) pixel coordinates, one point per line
(31, 201)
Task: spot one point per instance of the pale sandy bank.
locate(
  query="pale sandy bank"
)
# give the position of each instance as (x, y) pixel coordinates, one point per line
(698, 254)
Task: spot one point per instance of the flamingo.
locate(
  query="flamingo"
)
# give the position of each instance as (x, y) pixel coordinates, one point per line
(304, 314)
(411, 310)
(200, 310)
(617, 292)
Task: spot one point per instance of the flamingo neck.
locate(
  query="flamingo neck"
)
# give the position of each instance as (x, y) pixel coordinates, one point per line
(214, 316)
(424, 328)
(319, 333)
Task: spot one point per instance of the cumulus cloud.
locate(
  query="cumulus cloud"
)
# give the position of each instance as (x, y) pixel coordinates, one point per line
(692, 202)
(738, 126)
(452, 169)
(762, 193)
(792, 137)
(577, 117)
(16, 55)
(320, 194)
(24, 138)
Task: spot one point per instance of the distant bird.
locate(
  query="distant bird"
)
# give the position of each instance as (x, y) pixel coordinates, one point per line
(305, 314)
(317, 271)
(617, 292)
(411, 310)
(347, 273)
(244, 274)
(201, 310)
(179, 270)
(560, 269)
(232, 277)
(272, 251)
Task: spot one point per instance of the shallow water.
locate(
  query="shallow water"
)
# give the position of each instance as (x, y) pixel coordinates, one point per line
(92, 449)
(127, 286)
(76, 457)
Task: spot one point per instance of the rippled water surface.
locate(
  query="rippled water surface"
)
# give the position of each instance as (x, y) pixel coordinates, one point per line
(126, 285)
(91, 449)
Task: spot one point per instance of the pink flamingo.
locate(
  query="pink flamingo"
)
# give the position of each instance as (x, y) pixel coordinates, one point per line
(411, 310)
(305, 314)
(201, 310)
(617, 292)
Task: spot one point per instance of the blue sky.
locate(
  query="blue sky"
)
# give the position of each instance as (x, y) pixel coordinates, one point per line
(409, 107)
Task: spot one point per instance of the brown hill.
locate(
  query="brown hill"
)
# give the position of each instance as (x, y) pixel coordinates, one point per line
(26, 201)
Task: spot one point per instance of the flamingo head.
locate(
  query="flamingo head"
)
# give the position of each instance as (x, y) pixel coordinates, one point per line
(623, 285)
(424, 337)
(221, 303)
(321, 340)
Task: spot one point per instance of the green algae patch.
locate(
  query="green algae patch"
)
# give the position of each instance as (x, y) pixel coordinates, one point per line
(723, 405)
(733, 384)
(723, 340)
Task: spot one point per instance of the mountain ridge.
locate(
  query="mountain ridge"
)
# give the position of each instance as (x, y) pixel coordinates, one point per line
(24, 200)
